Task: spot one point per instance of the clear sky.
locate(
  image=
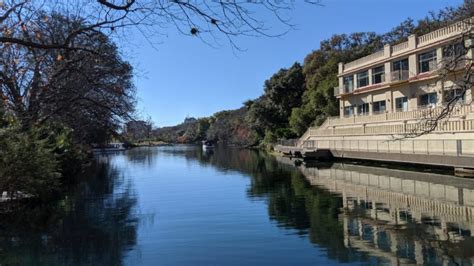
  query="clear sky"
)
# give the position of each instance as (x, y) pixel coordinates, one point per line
(182, 76)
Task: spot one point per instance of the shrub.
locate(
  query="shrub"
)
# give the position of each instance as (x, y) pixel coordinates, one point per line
(27, 164)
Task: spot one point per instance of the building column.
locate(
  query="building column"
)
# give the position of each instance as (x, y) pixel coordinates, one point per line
(370, 100)
(439, 56)
(419, 253)
(439, 93)
(412, 65)
(369, 73)
(341, 106)
(388, 71)
(355, 82)
(389, 103)
(412, 59)
(412, 99)
(345, 221)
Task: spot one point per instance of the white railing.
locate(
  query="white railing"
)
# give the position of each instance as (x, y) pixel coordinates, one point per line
(364, 60)
(377, 124)
(445, 32)
(388, 117)
(391, 129)
(405, 146)
(397, 49)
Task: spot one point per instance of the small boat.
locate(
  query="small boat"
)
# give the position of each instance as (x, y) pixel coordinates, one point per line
(207, 145)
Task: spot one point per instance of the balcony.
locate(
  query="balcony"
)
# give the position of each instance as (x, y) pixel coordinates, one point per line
(344, 90)
(426, 40)
(399, 75)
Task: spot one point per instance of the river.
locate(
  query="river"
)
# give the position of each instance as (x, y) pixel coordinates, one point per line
(182, 206)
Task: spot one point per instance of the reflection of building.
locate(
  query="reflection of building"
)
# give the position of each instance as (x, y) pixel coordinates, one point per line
(389, 92)
(400, 215)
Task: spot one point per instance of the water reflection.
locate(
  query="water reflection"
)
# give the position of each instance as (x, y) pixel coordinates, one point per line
(362, 213)
(409, 217)
(95, 224)
(342, 213)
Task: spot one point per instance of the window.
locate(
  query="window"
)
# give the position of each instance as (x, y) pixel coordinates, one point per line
(400, 70)
(348, 83)
(378, 75)
(427, 61)
(379, 107)
(457, 94)
(429, 99)
(362, 79)
(454, 50)
(401, 104)
(349, 110)
(363, 109)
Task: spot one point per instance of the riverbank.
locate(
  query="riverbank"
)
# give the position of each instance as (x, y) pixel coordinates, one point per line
(150, 144)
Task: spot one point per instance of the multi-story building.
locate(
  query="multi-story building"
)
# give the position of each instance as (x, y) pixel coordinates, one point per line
(405, 77)
(388, 97)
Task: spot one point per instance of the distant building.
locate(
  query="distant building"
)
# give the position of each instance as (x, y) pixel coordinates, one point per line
(138, 129)
(189, 120)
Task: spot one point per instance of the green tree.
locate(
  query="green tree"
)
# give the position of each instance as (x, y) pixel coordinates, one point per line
(28, 165)
(282, 92)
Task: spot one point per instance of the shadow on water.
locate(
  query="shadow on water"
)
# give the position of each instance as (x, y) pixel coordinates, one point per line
(94, 224)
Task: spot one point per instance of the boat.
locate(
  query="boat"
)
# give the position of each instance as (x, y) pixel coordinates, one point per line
(207, 145)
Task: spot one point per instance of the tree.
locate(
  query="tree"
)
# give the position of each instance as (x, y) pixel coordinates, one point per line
(282, 92)
(206, 20)
(91, 93)
(320, 71)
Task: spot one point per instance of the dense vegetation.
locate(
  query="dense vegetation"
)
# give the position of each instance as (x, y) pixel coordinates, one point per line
(56, 103)
(301, 96)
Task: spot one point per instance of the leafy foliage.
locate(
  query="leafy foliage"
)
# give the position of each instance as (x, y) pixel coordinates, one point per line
(27, 164)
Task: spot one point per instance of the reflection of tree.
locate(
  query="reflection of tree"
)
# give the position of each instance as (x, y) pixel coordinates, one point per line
(95, 224)
(292, 202)
(142, 155)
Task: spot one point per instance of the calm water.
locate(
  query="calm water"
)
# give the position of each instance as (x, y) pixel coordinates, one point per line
(181, 206)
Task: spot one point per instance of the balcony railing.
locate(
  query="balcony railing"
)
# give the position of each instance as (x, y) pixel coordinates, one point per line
(445, 32)
(399, 75)
(345, 89)
(397, 49)
(364, 60)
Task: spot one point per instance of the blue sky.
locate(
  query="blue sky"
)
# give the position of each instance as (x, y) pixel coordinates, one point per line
(182, 76)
